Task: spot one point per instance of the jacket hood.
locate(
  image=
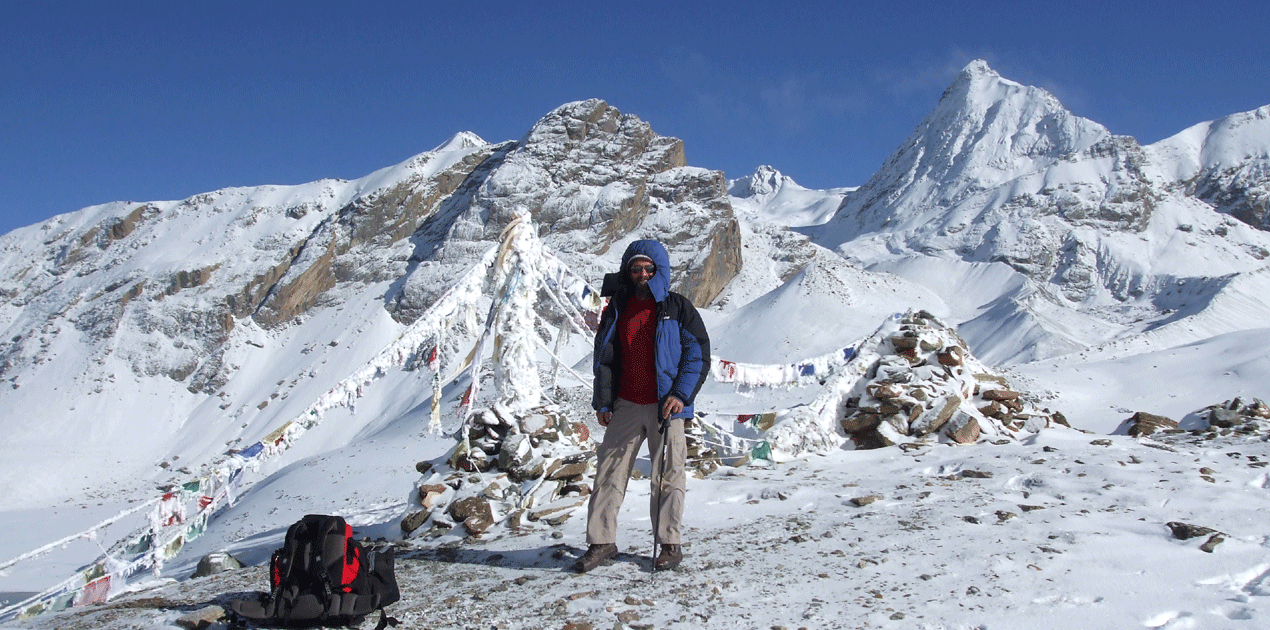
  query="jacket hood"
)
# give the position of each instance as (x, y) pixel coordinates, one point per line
(659, 284)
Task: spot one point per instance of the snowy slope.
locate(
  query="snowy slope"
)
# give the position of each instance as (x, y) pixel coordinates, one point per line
(1057, 532)
(98, 336)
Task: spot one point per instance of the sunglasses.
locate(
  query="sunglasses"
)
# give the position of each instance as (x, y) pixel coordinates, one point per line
(649, 269)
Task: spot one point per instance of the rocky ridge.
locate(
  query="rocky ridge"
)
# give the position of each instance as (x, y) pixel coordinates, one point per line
(588, 174)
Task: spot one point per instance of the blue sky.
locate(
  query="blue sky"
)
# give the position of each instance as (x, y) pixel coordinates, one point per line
(105, 101)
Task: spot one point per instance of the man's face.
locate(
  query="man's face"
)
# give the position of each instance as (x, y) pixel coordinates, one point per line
(641, 271)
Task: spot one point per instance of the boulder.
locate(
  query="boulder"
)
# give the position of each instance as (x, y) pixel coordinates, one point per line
(557, 509)
(430, 494)
(872, 438)
(860, 420)
(890, 407)
(535, 424)
(1224, 418)
(1258, 409)
(571, 466)
(952, 356)
(202, 618)
(995, 409)
(414, 521)
(934, 418)
(514, 452)
(999, 394)
(705, 466)
(898, 422)
(216, 562)
(469, 459)
(531, 470)
(1212, 542)
(574, 488)
(884, 390)
(494, 491)
(475, 513)
(962, 428)
(1143, 423)
(568, 470)
(903, 344)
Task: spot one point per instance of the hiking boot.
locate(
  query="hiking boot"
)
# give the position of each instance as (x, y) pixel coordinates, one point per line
(595, 554)
(669, 558)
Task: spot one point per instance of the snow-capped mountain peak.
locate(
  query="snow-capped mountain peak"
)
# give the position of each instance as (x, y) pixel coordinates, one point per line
(461, 140)
(773, 197)
(1001, 173)
(986, 130)
(764, 181)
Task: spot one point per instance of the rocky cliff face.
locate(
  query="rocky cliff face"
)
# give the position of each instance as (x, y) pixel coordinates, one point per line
(591, 177)
(1225, 163)
(162, 285)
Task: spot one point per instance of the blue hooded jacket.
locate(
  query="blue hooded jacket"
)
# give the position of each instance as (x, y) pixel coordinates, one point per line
(682, 354)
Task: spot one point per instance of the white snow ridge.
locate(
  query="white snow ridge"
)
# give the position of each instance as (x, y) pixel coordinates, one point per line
(1014, 380)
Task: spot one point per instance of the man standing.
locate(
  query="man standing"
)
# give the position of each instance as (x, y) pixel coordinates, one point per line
(652, 355)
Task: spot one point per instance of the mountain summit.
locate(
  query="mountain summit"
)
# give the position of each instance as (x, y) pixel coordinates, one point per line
(984, 132)
(236, 308)
(1089, 222)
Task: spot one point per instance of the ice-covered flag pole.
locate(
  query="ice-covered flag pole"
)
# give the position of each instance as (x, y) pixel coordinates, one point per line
(515, 370)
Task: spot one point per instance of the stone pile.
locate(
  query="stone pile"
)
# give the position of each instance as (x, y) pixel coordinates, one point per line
(1239, 415)
(703, 459)
(1233, 417)
(507, 469)
(925, 385)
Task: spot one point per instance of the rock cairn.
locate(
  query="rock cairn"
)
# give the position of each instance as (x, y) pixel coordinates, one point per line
(925, 385)
(506, 470)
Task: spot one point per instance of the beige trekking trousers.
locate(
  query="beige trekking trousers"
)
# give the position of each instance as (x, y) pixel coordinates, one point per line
(630, 426)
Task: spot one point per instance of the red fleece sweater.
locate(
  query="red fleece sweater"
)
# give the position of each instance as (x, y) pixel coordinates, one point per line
(635, 328)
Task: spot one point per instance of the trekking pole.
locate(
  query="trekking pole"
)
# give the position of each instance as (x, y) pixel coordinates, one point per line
(661, 489)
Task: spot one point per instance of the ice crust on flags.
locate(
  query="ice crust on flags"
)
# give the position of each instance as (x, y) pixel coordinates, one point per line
(807, 372)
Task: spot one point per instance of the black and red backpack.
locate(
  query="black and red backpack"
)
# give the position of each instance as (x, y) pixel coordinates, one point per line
(323, 576)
